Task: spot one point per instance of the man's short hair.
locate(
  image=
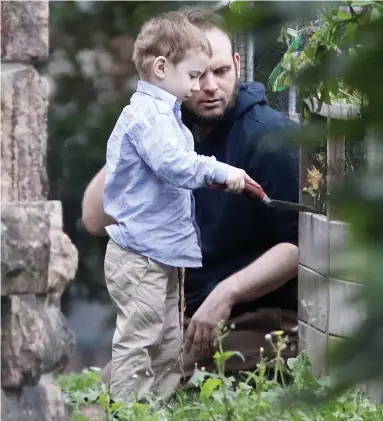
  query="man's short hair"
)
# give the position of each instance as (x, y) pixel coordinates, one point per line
(206, 19)
(170, 35)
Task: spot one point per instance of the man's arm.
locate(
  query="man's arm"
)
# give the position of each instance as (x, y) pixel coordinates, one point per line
(277, 170)
(93, 216)
(266, 274)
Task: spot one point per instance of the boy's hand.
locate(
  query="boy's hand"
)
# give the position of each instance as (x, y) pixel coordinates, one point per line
(235, 180)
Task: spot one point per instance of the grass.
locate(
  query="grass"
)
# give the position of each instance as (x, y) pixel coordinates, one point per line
(262, 395)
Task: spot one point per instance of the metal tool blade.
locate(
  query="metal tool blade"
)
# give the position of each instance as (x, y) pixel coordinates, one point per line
(298, 207)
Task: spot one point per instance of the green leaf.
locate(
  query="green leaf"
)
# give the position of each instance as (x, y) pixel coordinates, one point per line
(282, 82)
(325, 95)
(375, 14)
(208, 388)
(204, 415)
(311, 51)
(197, 378)
(306, 114)
(79, 417)
(225, 356)
(104, 401)
(92, 395)
(291, 363)
(343, 15)
(361, 3)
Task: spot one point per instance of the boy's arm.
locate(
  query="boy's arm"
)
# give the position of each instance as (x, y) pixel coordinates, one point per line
(157, 144)
(93, 216)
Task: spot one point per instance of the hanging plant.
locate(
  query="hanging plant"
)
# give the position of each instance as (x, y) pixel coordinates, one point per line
(318, 42)
(330, 39)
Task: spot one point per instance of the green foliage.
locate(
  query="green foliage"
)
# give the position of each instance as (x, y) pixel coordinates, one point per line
(254, 396)
(333, 38)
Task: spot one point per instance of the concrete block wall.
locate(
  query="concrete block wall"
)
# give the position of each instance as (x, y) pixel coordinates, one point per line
(327, 313)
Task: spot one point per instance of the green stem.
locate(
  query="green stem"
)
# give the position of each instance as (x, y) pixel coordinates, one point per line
(348, 94)
(221, 372)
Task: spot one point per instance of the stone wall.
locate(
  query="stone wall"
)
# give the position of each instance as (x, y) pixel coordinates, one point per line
(37, 259)
(327, 312)
(327, 281)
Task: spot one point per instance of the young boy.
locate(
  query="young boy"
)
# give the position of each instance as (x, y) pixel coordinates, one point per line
(151, 170)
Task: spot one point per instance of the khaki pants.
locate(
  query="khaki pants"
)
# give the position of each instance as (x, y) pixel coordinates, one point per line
(147, 340)
(247, 338)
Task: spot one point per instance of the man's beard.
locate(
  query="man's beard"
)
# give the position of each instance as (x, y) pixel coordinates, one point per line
(212, 120)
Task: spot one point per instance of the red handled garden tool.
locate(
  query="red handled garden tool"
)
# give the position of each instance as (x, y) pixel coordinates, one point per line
(255, 191)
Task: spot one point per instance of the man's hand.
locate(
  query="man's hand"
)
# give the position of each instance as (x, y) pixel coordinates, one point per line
(216, 308)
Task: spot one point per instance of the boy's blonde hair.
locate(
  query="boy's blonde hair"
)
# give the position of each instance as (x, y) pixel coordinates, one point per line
(170, 35)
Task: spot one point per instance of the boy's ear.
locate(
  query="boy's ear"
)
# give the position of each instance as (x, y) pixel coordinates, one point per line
(159, 66)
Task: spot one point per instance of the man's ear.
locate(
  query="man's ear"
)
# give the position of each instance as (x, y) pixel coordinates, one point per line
(159, 66)
(237, 64)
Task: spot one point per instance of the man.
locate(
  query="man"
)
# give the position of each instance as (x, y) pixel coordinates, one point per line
(250, 253)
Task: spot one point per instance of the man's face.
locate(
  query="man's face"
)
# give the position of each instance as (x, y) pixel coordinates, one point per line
(219, 83)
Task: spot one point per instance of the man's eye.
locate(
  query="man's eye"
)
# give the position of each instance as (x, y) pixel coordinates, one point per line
(193, 77)
(221, 71)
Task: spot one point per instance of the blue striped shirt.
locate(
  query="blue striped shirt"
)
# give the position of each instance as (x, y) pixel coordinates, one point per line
(151, 168)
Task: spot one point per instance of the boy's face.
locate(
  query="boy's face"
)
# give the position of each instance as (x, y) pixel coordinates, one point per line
(182, 79)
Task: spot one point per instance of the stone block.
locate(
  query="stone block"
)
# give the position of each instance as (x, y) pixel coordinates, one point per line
(374, 390)
(344, 314)
(34, 340)
(334, 341)
(314, 343)
(36, 256)
(339, 237)
(23, 133)
(343, 263)
(24, 30)
(43, 402)
(25, 247)
(312, 298)
(313, 242)
(63, 260)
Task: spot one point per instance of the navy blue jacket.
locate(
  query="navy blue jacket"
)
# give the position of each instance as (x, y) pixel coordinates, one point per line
(235, 229)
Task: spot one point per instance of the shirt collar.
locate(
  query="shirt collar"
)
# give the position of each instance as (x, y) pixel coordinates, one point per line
(156, 93)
